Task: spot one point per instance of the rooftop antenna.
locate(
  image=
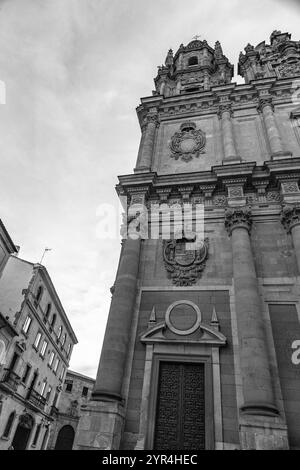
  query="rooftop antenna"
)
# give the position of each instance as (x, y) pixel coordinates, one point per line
(45, 250)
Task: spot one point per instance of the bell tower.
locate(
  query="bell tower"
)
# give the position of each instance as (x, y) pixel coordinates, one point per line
(204, 314)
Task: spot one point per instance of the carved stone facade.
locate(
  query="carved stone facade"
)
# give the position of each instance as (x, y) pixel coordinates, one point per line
(218, 323)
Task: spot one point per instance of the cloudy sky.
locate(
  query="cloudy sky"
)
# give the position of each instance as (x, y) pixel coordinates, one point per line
(74, 72)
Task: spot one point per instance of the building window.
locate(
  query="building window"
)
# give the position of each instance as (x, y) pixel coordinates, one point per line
(27, 324)
(53, 320)
(56, 364)
(39, 295)
(69, 350)
(43, 388)
(44, 347)
(85, 391)
(14, 361)
(59, 332)
(193, 61)
(48, 310)
(26, 374)
(63, 340)
(2, 352)
(62, 373)
(51, 358)
(37, 433)
(37, 340)
(9, 424)
(192, 90)
(69, 385)
(48, 393)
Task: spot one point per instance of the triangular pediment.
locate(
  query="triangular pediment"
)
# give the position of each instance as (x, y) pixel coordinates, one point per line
(207, 335)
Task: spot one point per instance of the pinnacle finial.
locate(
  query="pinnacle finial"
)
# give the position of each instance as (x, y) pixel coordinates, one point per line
(214, 318)
(169, 59)
(152, 318)
(218, 50)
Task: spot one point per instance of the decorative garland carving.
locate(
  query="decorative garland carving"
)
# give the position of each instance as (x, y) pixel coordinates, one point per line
(183, 265)
(188, 143)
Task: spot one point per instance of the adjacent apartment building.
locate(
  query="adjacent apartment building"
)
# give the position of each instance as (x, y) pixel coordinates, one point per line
(36, 342)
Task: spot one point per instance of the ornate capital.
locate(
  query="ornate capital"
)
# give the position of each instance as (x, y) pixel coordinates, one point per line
(290, 216)
(239, 217)
(223, 108)
(263, 102)
(153, 119)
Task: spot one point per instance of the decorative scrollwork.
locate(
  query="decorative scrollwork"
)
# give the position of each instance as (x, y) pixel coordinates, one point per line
(188, 143)
(183, 265)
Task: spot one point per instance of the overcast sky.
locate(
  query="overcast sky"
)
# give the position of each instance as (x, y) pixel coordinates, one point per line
(74, 72)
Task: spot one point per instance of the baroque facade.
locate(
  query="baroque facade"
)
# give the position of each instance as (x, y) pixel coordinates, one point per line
(201, 349)
(38, 341)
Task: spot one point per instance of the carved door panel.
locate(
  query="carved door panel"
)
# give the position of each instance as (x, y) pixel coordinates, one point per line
(180, 412)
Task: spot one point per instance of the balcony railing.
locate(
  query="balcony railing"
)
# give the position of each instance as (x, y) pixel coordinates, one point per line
(36, 399)
(11, 379)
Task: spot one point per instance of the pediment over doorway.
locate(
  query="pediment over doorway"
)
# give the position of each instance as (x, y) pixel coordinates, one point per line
(204, 335)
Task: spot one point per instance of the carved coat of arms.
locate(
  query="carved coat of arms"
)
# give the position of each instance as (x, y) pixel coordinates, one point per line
(188, 143)
(184, 265)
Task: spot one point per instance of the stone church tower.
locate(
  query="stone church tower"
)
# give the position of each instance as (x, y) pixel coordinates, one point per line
(202, 345)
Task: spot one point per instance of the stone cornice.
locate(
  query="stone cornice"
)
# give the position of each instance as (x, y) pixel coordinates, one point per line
(241, 96)
(260, 185)
(271, 173)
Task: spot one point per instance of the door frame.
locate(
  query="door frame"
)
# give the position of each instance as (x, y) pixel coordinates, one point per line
(208, 394)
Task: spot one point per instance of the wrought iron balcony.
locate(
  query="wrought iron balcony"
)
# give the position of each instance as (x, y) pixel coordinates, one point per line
(36, 399)
(10, 379)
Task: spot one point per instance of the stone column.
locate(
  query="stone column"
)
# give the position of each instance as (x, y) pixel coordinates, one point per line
(275, 141)
(114, 350)
(290, 218)
(230, 153)
(146, 149)
(257, 383)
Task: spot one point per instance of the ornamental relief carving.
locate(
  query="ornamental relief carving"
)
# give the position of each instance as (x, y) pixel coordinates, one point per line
(184, 265)
(189, 143)
(289, 69)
